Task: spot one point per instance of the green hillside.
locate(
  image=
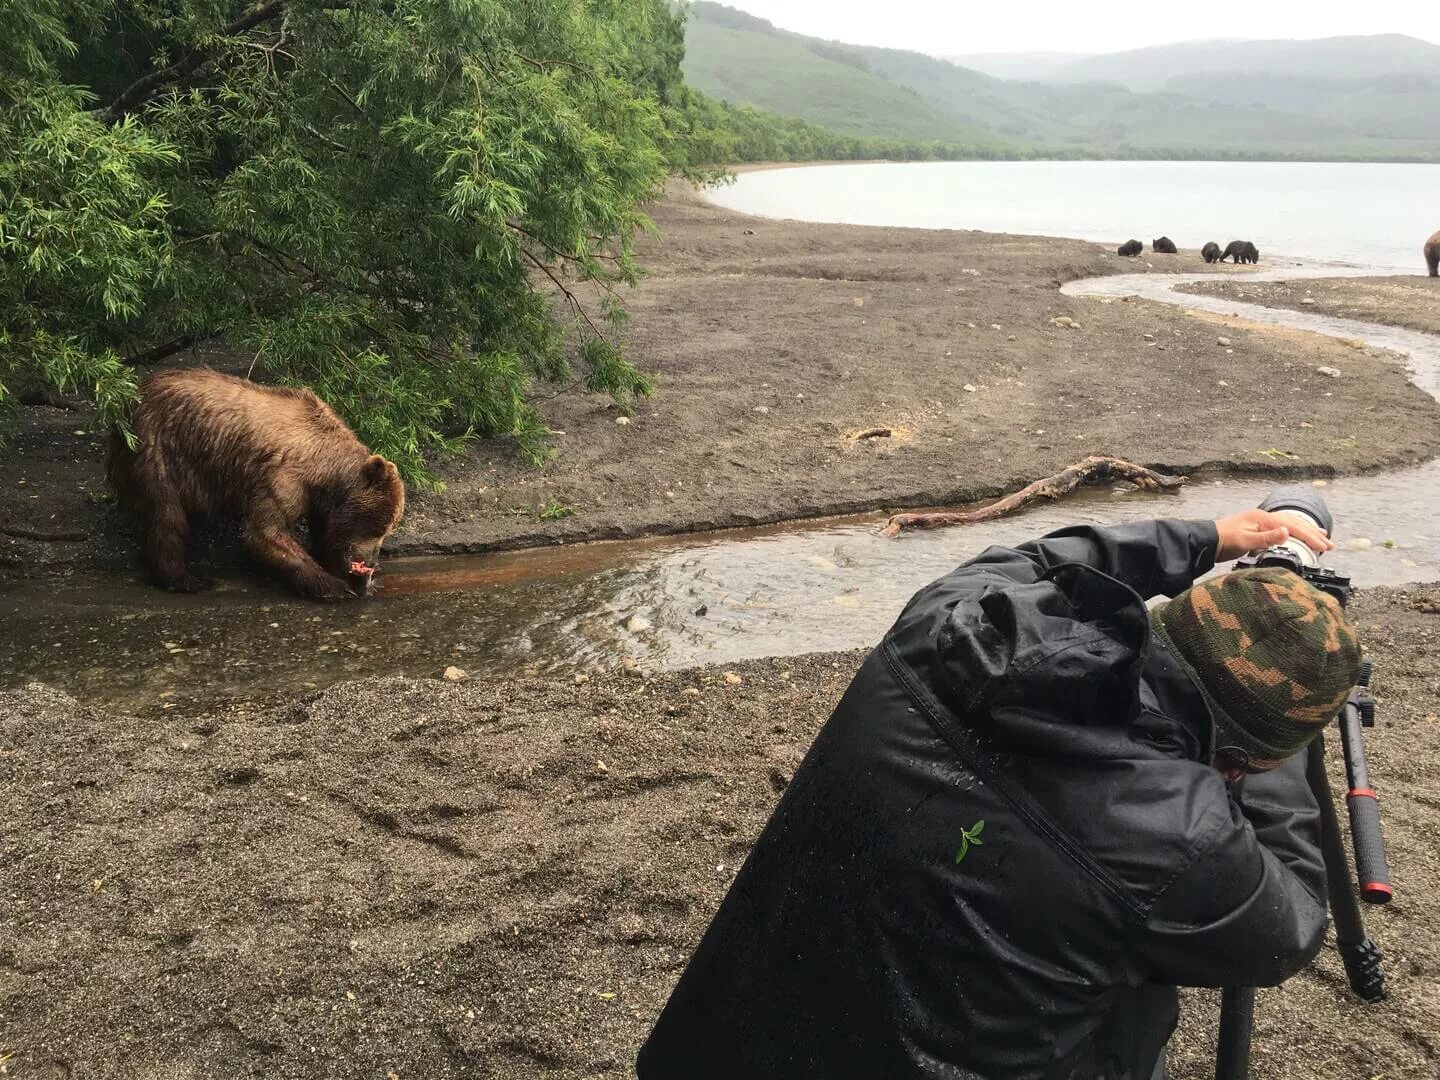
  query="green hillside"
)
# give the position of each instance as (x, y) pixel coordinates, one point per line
(1292, 113)
(779, 74)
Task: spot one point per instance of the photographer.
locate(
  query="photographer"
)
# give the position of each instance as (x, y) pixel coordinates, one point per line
(1014, 837)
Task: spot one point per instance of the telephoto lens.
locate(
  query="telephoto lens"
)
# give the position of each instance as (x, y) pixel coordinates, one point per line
(1306, 504)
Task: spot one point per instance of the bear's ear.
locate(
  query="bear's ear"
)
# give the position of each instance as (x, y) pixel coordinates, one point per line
(375, 470)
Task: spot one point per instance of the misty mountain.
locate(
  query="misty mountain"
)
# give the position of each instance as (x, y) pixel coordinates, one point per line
(1340, 59)
(1022, 66)
(1335, 98)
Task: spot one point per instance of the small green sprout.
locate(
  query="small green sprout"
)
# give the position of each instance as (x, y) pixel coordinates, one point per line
(970, 836)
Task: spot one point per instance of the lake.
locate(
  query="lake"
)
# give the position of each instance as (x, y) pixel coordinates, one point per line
(1363, 214)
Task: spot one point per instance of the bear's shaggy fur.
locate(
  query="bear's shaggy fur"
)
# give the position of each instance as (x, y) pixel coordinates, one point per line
(1130, 247)
(1164, 245)
(1210, 252)
(1432, 254)
(1241, 251)
(212, 445)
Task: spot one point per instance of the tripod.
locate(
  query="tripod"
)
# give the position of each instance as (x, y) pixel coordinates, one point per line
(1361, 955)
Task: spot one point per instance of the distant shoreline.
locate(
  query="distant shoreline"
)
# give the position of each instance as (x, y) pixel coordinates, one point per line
(766, 166)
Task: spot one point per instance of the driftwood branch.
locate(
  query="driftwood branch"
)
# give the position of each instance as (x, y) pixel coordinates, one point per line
(54, 400)
(159, 352)
(22, 533)
(1093, 470)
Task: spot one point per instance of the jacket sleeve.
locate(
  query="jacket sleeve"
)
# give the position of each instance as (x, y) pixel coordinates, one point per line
(1251, 909)
(1152, 557)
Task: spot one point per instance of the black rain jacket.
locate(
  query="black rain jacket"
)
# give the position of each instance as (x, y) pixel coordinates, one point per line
(867, 936)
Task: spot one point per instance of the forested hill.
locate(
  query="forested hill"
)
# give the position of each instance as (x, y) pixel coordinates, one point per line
(1334, 99)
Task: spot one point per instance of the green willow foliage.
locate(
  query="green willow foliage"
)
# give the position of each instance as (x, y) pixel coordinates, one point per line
(416, 207)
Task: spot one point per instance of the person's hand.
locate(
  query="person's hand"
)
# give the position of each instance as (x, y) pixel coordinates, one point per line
(1254, 530)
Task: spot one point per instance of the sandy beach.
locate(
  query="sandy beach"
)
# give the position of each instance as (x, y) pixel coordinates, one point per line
(503, 878)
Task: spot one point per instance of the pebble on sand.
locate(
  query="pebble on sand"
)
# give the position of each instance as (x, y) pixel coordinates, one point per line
(454, 674)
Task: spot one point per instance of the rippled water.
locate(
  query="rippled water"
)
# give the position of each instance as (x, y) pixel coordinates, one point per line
(1366, 214)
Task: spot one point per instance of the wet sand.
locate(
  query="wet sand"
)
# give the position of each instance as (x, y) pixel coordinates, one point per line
(1403, 300)
(504, 879)
(775, 343)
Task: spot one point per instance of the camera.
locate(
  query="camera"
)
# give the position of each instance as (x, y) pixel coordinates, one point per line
(1306, 504)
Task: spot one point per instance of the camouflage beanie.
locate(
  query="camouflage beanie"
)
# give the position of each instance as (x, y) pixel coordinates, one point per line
(1274, 657)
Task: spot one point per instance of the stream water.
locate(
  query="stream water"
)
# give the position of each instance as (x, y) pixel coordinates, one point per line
(657, 603)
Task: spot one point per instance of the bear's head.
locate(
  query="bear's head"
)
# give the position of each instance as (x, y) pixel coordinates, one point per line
(369, 510)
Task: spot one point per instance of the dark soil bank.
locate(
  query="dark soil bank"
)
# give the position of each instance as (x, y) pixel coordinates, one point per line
(1411, 302)
(412, 879)
(776, 342)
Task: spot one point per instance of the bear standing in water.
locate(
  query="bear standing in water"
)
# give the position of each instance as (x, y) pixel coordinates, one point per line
(214, 445)
(1210, 252)
(1432, 255)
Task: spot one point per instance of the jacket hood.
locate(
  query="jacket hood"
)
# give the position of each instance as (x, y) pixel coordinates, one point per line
(1051, 664)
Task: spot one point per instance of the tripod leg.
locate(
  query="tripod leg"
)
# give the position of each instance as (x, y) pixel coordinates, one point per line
(1237, 1019)
(1361, 955)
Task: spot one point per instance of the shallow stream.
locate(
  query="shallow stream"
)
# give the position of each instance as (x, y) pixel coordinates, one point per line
(656, 603)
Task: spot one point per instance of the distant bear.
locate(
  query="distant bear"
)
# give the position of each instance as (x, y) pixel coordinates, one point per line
(1165, 246)
(1432, 255)
(214, 445)
(1131, 247)
(1241, 251)
(1210, 252)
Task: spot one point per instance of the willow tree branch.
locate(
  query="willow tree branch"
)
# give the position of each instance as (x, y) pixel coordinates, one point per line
(570, 296)
(556, 252)
(147, 86)
(1093, 470)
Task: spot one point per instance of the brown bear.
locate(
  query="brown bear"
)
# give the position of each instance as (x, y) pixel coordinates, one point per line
(1241, 251)
(212, 445)
(1432, 255)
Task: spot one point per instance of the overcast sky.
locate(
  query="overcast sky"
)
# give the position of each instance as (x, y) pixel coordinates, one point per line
(941, 27)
